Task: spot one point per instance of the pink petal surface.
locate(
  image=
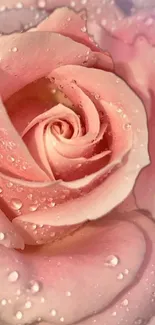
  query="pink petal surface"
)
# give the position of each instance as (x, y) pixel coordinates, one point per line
(17, 60)
(67, 213)
(136, 66)
(15, 158)
(9, 236)
(118, 250)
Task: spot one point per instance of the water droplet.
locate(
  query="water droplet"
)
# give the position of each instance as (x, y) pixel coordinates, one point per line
(10, 159)
(2, 8)
(30, 196)
(111, 261)
(14, 49)
(19, 5)
(120, 276)
(3, 302)
(28, 304)
(114, 313)
(53, 312)
(19, 315)
(62, 319)
(13, 276)
(126, 271)
(33, 207)
(51, 204)
(2, 236)
(72, 4)
(68, 294)
(83, 2)
(83, 29)
(125, 302)
(34, 286)
(127, 126)
(16, 204)
(42, 300)
(41, 3)
(34, 226)
(139, 321)
(9, 184)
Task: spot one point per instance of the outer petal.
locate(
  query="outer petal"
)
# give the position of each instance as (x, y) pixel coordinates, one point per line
(21, 54)
(136, 66)
(80, 269)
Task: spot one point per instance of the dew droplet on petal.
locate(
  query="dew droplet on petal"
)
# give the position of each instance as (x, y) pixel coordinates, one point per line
(19, 315)
(120, 276)
(53, 312)
(13, 276)
(19, 5)
(33, 207)
(68, 294)
(83, 2)
(126, 271)
(62, 319)
(111, 261)
(114, 314)
(83, 29)
(28, 304)
(34, 286)
(3, 302)
(41, 3)
(1, 190)
(139, 321)
(125, 302)
(72, 4)
(2, 236)
(16, 204)
(127, 126)
(14, 49)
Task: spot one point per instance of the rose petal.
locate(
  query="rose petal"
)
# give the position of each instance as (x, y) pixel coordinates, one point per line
(59, 283)
(21, 54)
(9, 236)
(15, 158)
(136, 67)
(68, 23)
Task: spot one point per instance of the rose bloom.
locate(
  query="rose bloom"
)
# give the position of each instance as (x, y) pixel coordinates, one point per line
(77, 163)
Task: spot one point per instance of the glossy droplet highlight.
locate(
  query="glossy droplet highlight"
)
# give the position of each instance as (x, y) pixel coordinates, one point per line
(34, 286)
(3, 302)
(139, 321)
(53, 312)
(13, 276)
(2, 236)
(125, 302)
(33, 207)
(120, 276)
(14, 49)
(112, 261)
(19, 315)
(68, 294)
(16, 204)
(127, 126)
(28, 304)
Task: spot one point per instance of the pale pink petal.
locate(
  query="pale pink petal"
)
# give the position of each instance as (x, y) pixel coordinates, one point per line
(124, 176)
(21, 54)
(15, 159)
(9, 236)
(68, 23)
(135, 62)
(79, 269)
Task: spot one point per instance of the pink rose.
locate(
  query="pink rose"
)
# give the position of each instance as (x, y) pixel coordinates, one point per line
(73, 140)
